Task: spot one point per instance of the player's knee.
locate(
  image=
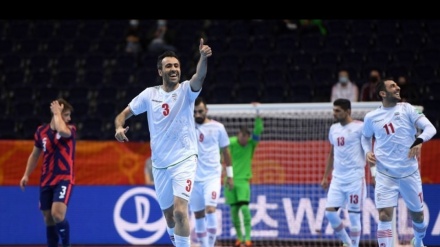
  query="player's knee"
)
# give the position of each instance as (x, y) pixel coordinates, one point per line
(386, 214)
(179, 215)
(334, 209)
(210, 209)
(48, 219)
(417, 217)
(199, 214)
(57, 216)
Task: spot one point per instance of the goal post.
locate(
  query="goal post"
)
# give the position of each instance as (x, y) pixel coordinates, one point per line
(287, 201)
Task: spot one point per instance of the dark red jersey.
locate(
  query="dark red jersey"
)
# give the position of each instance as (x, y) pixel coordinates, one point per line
(58, 155)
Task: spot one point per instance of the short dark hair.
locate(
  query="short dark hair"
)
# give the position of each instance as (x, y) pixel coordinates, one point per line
(67, 105)
(200, 100)
(345, 104)
(380, 86)
(163, 55)
(245, 130)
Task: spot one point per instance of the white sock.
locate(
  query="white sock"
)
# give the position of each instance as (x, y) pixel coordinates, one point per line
(211, 227)
(384, 234)
(419, 233)
(171, 234)
(201, 233)
(338, 226)
(182, 241)
(355, 228)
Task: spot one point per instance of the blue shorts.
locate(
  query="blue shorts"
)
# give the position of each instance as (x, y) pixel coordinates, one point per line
(60, 192)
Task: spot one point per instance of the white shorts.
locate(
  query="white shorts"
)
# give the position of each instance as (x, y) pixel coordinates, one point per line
(173, 181)
(205, 193)
(387, 191)
(347, 195)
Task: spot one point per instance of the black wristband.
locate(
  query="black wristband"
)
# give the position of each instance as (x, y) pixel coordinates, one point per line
(417, 142)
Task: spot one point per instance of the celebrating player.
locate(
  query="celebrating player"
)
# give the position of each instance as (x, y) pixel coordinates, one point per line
(170, 109)
(396, 148)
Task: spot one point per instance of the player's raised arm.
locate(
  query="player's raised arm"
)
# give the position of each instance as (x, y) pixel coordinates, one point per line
(202, 67)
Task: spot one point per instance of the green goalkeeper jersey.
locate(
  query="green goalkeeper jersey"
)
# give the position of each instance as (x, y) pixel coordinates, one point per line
(242, 155)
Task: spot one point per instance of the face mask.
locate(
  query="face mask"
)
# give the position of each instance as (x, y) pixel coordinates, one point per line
(374, 78)
(343, 79)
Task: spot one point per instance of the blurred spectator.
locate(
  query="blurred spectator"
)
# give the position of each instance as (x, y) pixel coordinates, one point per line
(368, 88)
(302, 26)
(133, 38)
(344, 88)
(312, 25)
(408, 91)
(160, 40)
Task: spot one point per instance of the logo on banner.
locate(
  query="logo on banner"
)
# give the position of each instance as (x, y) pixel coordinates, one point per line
(134, 218)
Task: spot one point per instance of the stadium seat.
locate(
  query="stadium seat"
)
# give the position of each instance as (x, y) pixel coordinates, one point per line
(286, 43)
(254, 60)
(94, 61)
(40, 61)
(54, 46)
(303, 60)
(378, 57)
(66, 77)
(405, 57)
(336, 43)
(274, 94)
(262, 44)
(18, 29)
(67, 62)
(311, 43)
(67, 29)
(43, 30)
(336, 27)
(80, 46)
(7, 128)
(300, 93)
(92, 29)
(360, 42)
(430, 56)
(411, 26)
(6, 46)
(12, 61)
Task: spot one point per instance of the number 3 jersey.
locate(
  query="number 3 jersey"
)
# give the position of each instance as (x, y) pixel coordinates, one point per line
(170, 122)
(394, 131)
(58, 155)
(349, 158)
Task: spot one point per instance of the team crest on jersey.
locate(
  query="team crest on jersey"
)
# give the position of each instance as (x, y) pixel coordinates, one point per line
(201, 137)
(174, 96)
(397, 115)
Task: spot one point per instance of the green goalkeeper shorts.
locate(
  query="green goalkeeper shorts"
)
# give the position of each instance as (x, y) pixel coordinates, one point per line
(240, 193)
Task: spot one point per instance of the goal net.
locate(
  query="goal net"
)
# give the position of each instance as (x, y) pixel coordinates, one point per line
(287, 201)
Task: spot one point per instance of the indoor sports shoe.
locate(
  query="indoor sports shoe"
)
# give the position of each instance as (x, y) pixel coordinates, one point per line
(248, 243)
(237, 243)
(413, 243)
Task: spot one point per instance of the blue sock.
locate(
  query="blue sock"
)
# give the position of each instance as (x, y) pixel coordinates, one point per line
(64, 232)
(52, 236)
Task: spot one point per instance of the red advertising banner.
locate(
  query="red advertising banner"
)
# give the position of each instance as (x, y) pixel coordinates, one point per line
(114, 163)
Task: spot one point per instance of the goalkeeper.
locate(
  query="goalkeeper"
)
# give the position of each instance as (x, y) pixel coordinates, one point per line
(242, 148)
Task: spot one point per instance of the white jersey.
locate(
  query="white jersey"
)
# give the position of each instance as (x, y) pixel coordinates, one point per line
(348, 154)
(394, 131)
(170, 122)
(211, 137)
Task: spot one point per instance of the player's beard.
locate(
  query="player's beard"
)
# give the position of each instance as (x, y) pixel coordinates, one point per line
(200, 120)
